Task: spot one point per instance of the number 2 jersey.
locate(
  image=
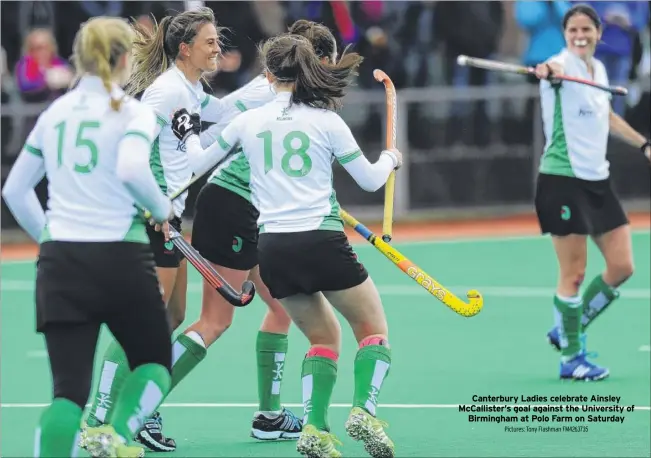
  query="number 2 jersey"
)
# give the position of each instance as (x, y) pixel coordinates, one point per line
(172, 166)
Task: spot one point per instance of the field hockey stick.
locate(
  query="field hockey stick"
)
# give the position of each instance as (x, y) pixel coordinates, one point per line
(194, 179)
(179, 192)
(391, 142)
(522, 70)
(476, 301)
(211, 275)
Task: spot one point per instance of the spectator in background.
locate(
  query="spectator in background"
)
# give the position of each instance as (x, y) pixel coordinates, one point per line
(473, 29)
(146, 22)
(5, 123)
(41, 74)
(3, 67)
(623, 22)
(542, 22)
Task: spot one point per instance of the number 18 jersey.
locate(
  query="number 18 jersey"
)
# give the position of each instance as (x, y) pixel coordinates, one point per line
(290, 151)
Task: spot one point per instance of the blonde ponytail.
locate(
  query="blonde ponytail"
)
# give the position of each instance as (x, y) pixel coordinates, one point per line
(99, 45)
(149, 56)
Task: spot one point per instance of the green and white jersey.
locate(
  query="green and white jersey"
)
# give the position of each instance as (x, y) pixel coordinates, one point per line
(78, 139)
(576, 122)
(169, 162)
(235, 174)
(291, 150)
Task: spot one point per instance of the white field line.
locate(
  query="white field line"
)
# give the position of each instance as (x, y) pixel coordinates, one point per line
(237, 405)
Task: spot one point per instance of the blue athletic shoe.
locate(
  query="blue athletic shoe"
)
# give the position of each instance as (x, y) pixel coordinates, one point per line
(554, 339)
(579, 368)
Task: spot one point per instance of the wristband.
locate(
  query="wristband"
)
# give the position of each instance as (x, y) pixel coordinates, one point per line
(646, 144)
(392, 156)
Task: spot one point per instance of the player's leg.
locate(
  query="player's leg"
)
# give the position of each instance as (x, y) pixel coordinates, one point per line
(271, 420)
(140, 325)
(211, 238)
(315, 318)
(352, 292)
(615, 246)
(151, 434)
(190, 347)
(58, 431)
(614, 242)
(563, 210)
(296, 267)
(69, 303)
(115, 368)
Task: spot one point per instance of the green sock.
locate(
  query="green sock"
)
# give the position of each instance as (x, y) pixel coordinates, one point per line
(571, 310)
(270, 350)
(186, 354)
(371, 368)
(115, 370)
(141, 395)
(319, 377)
(58, 430)
(597, 296)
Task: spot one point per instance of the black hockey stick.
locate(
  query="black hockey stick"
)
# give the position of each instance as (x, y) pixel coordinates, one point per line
(211, 275)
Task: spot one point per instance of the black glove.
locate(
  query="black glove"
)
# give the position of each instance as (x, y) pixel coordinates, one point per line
(185, 124)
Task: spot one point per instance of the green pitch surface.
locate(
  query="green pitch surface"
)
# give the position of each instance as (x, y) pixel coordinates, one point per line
(440, 360)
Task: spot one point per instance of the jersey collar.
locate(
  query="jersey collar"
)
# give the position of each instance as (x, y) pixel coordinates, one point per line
(283, 96)
(581, 62)
(196, 89)
(95, 84)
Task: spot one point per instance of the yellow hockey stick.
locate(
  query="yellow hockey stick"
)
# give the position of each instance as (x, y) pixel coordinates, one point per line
(391, 142)
(476, 301)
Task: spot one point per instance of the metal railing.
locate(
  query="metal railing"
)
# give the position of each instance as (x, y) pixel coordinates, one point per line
(489, 167)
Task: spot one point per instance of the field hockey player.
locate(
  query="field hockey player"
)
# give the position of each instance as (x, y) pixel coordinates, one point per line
(225, 232)
(574, 196)
(93, 144)
(305, 258)
(168, 64)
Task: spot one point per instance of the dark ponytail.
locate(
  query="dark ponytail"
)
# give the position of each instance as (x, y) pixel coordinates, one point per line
(322, 39)
(292, 59)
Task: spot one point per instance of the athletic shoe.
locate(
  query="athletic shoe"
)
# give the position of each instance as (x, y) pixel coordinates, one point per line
(104, 442)
(285, 425)
(151, 435)
(317, 444)
(363, 426)
(554, 339)
(579, 368)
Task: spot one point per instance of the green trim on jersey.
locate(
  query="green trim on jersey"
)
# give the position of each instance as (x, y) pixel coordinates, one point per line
(137, 232)
(34, 151)
(236, 176)
(240, 106)
(556, 160)
(161, 121)
(45, 235)
(138, 133)
(205, 102)
(333, 221)
(225, 146)
(156, 166)
(348, 157)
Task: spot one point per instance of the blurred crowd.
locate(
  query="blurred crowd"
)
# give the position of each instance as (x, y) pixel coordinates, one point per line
(416, 42)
